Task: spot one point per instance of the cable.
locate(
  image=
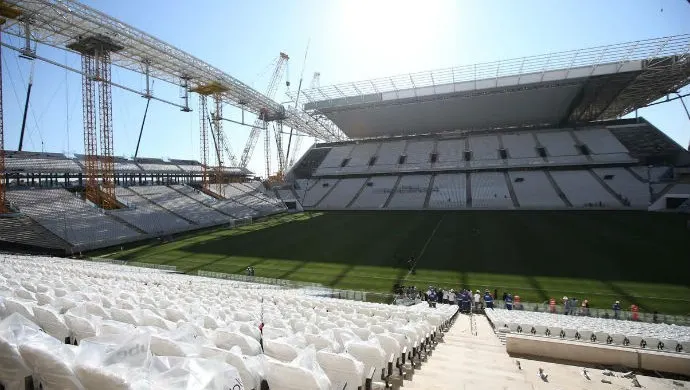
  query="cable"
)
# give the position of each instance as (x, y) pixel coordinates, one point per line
(14, 91)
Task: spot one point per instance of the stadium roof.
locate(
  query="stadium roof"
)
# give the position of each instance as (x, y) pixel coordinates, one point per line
(600, 83)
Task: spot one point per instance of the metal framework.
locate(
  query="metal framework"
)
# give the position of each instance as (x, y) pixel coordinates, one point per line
(278, 134)
(265, 115)
(677, 46)
(58, 23)
(203, 141)
(220, 142)
(88, 92)
(105, 96)
(3, 208)
(267, 149)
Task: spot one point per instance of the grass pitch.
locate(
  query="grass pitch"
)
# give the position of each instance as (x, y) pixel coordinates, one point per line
(602, 256)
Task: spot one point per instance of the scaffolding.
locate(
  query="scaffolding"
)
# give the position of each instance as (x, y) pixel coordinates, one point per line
(203, 141)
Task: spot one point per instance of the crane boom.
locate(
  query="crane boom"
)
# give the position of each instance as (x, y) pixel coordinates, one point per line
(258, 123)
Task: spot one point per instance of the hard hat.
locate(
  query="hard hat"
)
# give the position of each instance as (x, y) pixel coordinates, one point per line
(565, 298)
(617, 301)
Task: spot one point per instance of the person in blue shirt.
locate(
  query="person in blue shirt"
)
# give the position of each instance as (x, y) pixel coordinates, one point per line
(432, 297)
(509, 302)
(616, 310)
(466, 301)
(488, 300)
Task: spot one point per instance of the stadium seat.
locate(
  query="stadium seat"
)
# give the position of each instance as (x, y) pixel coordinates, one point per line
(343, 370)
(288, 376)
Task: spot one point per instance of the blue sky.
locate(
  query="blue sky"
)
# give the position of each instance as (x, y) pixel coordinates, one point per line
(349, 41)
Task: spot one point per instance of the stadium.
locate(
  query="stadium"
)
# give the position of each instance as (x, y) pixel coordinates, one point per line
(505, 224)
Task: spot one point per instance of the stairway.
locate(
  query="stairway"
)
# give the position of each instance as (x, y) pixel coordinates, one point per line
(558, 189)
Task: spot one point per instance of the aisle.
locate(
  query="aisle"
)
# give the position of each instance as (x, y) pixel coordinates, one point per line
(465, 361)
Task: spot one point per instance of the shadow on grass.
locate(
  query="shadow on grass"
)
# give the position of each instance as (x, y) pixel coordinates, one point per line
(342, 275)
(629, 297)
(570, 244)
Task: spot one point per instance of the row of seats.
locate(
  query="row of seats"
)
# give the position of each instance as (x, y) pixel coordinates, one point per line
(615, 187)
(542, 148)
(664, 337)
(122, 321)
(71, 218)
(155, 210)
(181, 204)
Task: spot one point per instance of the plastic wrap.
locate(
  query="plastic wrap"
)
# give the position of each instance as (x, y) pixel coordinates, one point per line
(226, 339)
(51, 322)
(165, 345)
(149, 318)
(118, 362)
(13, 330)
(82, 326)
(175, 315)
(341, 369)
(250, 368)
(323, 341)
(3, 309)
(51, 362)
(302, 373)
(20, 306)
(175, 373)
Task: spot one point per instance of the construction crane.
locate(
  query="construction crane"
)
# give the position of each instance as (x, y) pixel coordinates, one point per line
(260, 122)
(225, 144)
(315, 83)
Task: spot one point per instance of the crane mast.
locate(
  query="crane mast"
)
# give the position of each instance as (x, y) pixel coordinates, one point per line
(259, 122)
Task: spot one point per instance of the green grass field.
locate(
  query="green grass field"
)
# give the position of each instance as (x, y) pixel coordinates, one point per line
(599, 255)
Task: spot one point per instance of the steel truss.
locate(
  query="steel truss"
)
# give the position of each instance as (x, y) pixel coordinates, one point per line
(267, 149)
(105, 96)
(621, 54)
(278, 134)
(58, 23)
(88, 92)
(203, 141)
(3, 208)
(220, 142)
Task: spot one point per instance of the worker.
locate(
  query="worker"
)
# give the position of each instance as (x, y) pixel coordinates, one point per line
(635, 315)
(466, 302)
(432, 297)
(566, 305)
(509, 301)
(617, 310)
(488, 299)
(477, 301)
(516, 303)
(451, 297)
(552, 305)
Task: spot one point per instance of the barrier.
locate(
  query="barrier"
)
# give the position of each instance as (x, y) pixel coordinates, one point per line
(541, 347)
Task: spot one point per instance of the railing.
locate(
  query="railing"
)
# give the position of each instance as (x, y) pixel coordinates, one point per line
(258, 279)
(313, 289)
(161, 267)
(642, 316)
(592, 57)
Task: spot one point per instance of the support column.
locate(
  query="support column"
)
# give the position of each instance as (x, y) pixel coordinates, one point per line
(106, 122)
(96, 66)
(220, 143)
(203, 142)
(89, 116)
(267, 149)
(3, 208)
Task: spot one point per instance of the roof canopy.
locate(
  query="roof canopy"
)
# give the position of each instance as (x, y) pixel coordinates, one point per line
(568, 87)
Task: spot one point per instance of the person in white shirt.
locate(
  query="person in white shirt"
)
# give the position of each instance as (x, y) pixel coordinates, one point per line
(451, 297)
(446, 295)
(477, 301)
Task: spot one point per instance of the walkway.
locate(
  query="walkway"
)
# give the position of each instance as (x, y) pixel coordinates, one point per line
(465, 361)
